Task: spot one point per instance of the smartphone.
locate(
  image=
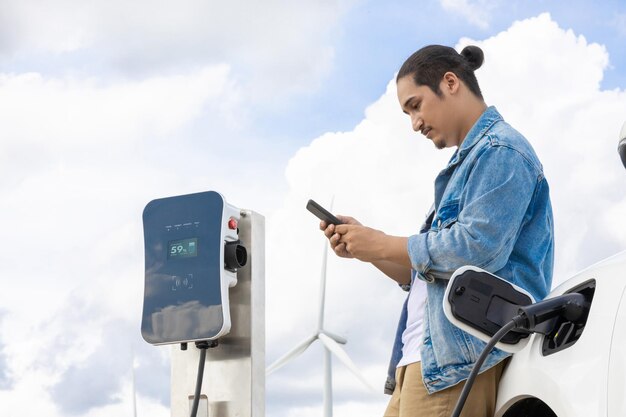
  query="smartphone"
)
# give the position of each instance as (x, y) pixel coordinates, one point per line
(322, 213)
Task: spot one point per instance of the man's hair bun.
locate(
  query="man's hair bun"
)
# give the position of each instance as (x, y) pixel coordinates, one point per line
(428, 65)
(474, 56)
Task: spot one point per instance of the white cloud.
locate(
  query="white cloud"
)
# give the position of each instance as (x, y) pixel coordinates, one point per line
(274, 45)
(83, 111)
(476, 12)
(546, 82)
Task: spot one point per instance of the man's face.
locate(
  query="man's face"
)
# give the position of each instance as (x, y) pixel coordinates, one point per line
(431, 115)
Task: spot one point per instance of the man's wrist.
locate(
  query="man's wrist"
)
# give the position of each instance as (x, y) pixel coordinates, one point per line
(395, 250)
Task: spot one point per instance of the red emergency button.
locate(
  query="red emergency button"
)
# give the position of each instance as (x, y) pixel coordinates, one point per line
(232, 224)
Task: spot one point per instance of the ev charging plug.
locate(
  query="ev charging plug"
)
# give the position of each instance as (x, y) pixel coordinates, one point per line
(541, 317)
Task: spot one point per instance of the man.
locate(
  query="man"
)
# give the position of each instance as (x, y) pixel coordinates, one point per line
(492, 210)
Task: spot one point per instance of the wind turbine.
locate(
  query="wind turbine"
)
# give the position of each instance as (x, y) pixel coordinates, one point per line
(331, 344)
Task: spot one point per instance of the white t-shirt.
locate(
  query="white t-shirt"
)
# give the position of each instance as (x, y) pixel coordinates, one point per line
(413, 334)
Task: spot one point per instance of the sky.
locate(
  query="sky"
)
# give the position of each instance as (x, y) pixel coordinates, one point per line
(105, 106)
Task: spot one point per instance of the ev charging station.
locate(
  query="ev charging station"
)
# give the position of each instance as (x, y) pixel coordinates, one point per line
(205, 294)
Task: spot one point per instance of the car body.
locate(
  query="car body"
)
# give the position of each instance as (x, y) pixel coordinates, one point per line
(587, 378)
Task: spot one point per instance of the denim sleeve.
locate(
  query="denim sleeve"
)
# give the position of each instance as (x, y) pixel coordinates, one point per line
(492, 206)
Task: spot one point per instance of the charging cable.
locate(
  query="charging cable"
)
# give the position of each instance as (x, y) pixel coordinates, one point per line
(203, 346)
(196, 395)
(479, 362)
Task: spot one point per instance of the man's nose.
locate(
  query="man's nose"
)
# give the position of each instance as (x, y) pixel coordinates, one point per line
(417, 122)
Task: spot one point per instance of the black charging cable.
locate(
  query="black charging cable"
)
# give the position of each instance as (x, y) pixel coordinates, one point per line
(203, 346)
(514, 323)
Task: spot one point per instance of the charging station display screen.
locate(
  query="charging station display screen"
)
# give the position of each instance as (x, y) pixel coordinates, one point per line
(185, 248)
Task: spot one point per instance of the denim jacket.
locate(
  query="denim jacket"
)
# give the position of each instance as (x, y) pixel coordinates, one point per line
(492, 210)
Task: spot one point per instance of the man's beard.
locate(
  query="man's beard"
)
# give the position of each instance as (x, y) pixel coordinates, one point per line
(439, 143)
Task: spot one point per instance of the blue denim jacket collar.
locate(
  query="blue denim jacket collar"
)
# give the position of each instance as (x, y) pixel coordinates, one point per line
(489, 117)
(475, 134)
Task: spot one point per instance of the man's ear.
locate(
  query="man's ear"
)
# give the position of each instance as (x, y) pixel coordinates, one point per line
(451, 82)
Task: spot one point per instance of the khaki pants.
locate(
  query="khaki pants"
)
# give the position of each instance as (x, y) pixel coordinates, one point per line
(410, 398)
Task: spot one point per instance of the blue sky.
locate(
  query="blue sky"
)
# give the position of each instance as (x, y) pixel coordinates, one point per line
(106, 105)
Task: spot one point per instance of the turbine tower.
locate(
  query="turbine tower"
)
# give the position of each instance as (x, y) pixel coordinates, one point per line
(331, 343)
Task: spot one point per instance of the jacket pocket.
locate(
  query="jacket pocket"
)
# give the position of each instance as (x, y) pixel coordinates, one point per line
(447, 215)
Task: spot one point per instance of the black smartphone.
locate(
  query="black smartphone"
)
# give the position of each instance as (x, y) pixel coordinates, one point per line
(322, 213)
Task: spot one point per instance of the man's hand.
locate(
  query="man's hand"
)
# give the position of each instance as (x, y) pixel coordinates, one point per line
(329, 231)
(363, 243)
(353, 240)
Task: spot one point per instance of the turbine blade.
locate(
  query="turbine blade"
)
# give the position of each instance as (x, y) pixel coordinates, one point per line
(336, 338)
(291, 354)
(345, 359)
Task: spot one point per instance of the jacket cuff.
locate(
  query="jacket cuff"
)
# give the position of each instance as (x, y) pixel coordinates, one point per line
(420, 258)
